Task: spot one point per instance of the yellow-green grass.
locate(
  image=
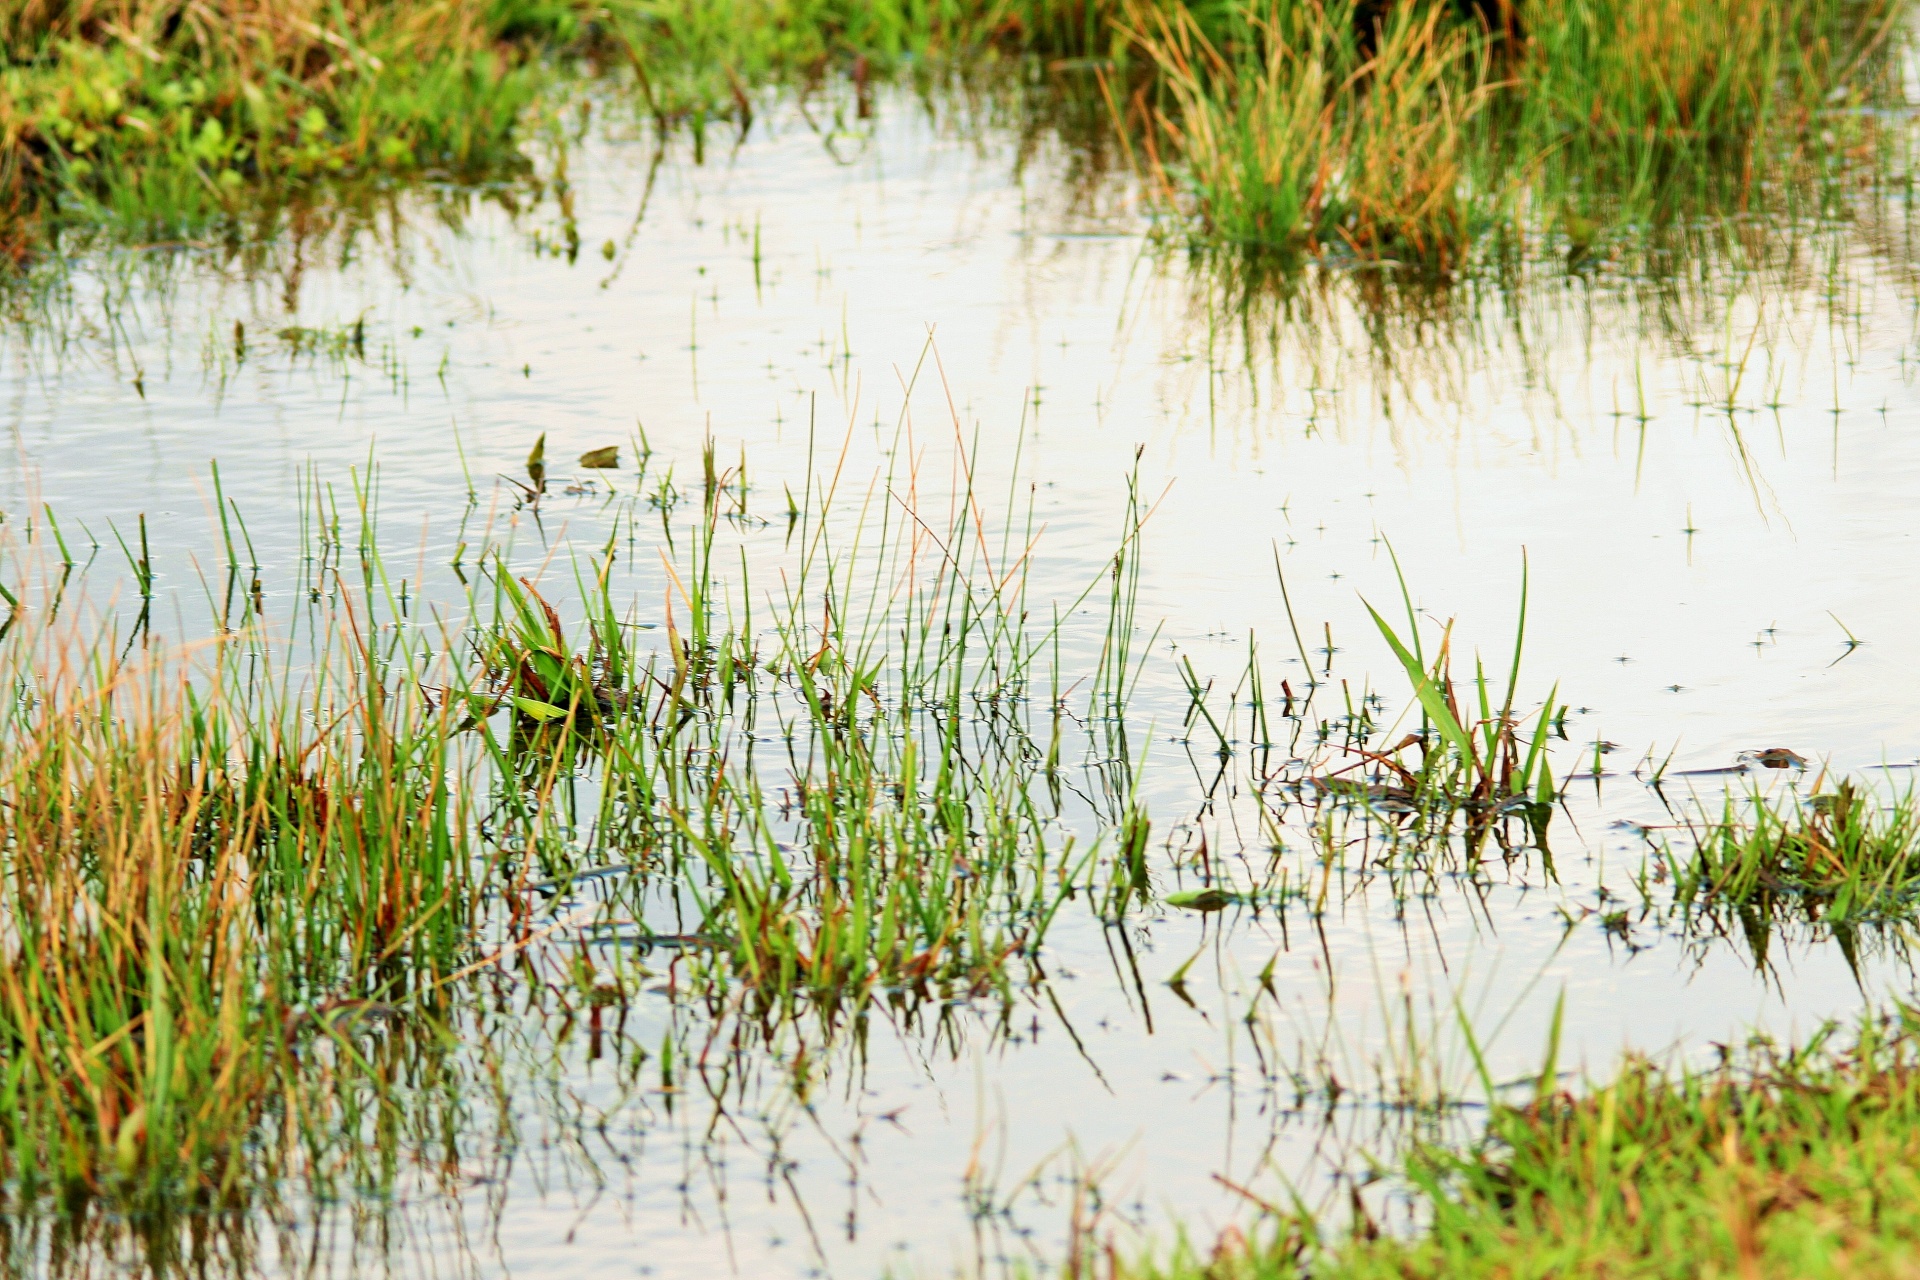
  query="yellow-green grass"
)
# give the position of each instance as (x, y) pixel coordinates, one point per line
(1775, 1164)
(163, 119)
(196, 885)
(220, 864)
(1416, 131)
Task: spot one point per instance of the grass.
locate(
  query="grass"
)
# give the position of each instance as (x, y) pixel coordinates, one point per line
(1417, 135)
(1285, 133)
(896, 846)
(1776, 1163)
(220, 866)
(1843, 863)
(1409, 133)
(162, 120)
(227, 120)
(264, 899)
(259, 892)
(1841, 856)
(1462, 773)
(198, 884)
(253, 892)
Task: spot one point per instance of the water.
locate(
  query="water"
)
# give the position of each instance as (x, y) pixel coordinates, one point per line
(1695, 573)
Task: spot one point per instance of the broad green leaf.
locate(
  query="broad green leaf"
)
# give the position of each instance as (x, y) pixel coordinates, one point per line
(1428, 692)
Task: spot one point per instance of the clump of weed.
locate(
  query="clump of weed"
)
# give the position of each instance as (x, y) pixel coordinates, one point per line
(1290, 135)
(1840, 857)
(1779, 1162)
(895, 840)
(160, 118)
(194, 886)
(1407, 132)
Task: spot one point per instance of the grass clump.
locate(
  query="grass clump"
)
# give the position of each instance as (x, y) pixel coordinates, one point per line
(1776, 1163)
(161, 117)
(1288, 133)
(246, 892)
(834, 787)
(1409, 131)
(1841, 857)
(194, 888)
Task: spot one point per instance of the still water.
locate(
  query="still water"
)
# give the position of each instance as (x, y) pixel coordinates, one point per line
(1709, 478)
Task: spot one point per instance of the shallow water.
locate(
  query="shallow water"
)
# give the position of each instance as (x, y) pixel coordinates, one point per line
(1694, 577)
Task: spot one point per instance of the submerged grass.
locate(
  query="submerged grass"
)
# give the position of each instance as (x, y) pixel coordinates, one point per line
(847, 772)
(847, 798)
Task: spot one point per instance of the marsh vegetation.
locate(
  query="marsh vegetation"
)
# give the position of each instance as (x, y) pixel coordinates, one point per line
(551, 712)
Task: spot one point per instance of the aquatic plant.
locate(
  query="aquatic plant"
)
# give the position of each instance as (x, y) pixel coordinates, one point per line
(161, 119)
(1294, 137)
(199, 883)
(1411, 132)
(215, 863)
(1843, 856)
(170, 122)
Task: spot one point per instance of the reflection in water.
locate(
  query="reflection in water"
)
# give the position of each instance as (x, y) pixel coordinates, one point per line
(1694, 437)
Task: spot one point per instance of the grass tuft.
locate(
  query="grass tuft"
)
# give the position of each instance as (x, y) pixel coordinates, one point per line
(1777, 1163)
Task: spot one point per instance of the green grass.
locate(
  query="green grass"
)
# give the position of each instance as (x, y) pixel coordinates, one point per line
(849, 793)
(260, 893)
(1841, 856)
(1279, 127)
(227, 120)
(162, 122)
(256, 884)
(198, 881)
(1352, 789)
(220, 864)
(1779, 1163)
(1281, 131)
(1292, 128)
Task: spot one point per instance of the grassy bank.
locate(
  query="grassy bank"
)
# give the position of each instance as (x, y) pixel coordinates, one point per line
(1778, 1163)
(164, 119)
(1410, 132)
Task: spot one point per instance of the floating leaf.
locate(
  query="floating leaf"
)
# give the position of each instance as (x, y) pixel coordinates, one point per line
(541, 711)
(1202, 899)
(601, 459)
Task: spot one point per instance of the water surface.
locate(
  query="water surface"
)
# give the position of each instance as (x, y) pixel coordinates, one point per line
(1709, 480)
